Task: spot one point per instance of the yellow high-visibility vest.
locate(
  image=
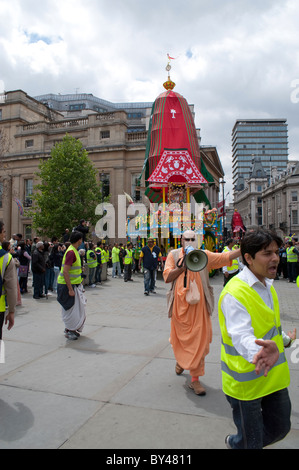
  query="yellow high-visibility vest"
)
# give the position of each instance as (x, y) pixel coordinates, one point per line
(128, 257)
(4, 262)
(291, 256)
(91, 262)
(75, 270)
(235, 265)
(239, 379)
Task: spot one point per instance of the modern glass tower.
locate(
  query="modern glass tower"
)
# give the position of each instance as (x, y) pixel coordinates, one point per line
(264, 138)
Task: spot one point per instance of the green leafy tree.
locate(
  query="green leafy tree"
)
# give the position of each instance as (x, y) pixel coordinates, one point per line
(68, 190)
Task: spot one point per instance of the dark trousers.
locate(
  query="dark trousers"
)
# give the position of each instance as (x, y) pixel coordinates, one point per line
(127, 272)
(38, 284)
(292, 271)
(260, 422)
(2, 316)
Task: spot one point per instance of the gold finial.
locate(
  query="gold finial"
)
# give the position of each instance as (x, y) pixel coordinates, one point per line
(169, 84)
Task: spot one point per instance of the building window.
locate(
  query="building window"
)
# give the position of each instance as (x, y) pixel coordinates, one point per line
(105, 134)
(105, 180)
(28, 193)
(29, 143)
(27, 231)
(294, 217)
(135, 190)
(0, 114)
(1, 193)
(294, 196)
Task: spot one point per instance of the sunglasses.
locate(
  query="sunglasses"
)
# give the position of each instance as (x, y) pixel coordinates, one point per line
(189, 239)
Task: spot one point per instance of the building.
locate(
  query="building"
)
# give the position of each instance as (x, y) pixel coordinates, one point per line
(281, 201)
(263, 138)
(114, 135)
(248, 201)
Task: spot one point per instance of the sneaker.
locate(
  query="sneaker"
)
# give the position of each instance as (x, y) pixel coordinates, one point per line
(92, 285)
(73, 335)
(153, 292)
(146, 293)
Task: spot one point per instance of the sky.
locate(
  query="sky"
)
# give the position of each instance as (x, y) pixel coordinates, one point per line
(233, 59)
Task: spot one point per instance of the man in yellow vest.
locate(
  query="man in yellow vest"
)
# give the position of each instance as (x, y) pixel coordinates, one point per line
(70, 290)
(128, 262)
(8, 285)
(91, 261)
(255, 374)
(292, 258)
(230, 271)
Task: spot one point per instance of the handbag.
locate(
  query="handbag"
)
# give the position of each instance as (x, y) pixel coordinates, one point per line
(23, 271)
(193, 295)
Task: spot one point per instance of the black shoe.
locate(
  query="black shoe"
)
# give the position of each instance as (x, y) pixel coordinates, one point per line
(37, 298)
(146, 292)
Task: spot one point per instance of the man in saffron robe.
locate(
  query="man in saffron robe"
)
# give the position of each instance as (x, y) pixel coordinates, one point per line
(191, 326)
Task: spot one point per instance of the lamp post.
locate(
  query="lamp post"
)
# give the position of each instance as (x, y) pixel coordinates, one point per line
(223, 207)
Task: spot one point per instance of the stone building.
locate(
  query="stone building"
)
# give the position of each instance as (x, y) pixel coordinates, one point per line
(115, 137)
(248, 201)
(281, 201)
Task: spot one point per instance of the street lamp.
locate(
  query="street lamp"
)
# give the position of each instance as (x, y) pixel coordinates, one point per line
(223, 206)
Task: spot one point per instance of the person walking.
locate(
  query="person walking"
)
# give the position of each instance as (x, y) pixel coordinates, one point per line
(149, 258)
(191, 326)
(70, 293)
(255, 373)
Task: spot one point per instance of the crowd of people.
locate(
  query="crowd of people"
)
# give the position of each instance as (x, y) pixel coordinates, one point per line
(255, 374)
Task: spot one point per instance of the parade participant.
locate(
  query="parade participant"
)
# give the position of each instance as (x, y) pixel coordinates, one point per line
(230, 271)
(70, 290)
(8, 285)
(191, 326)
(98, 252)
(255, 374)
(292, 258)
(149, 257)
(128, 263)
(116, 261)
(91, 261)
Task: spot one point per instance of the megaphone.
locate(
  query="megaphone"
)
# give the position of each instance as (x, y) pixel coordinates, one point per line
(196, 260)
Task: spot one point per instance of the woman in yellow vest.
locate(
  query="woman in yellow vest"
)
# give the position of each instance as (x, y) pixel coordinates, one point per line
(70, 290)
(255, 374)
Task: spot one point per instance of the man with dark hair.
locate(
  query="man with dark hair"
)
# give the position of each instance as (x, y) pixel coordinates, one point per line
(8, 285)
(255, 374)
(70, 290)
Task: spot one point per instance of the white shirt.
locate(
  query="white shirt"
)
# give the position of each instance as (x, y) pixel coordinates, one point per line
(238, 320)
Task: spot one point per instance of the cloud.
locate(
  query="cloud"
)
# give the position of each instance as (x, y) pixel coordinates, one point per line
(233, 59)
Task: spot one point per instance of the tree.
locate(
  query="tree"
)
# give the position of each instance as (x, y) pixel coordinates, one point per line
(68, 190)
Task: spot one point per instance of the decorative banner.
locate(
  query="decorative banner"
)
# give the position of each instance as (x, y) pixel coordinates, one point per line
(177, 163)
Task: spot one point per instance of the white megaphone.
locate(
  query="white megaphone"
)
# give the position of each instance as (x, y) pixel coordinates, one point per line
(196, 260)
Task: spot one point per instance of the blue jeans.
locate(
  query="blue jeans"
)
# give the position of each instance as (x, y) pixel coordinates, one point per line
(116, 267)
(149, 279)
(260, 422)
